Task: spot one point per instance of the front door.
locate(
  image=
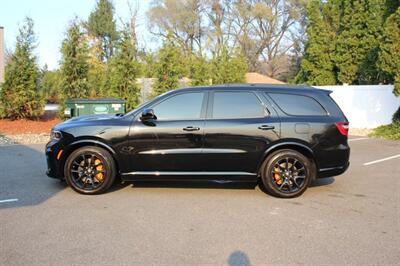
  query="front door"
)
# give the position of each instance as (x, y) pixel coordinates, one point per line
(172, 142)
(238, 129)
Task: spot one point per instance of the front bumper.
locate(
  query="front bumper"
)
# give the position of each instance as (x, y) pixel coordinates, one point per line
(54, 166)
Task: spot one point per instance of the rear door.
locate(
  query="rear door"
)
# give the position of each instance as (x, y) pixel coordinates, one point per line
(238, 129)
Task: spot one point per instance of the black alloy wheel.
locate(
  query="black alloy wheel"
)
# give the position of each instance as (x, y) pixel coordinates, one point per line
(90, 170)
(287, 173)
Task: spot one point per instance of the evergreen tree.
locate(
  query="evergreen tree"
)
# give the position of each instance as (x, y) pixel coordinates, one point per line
(317, 66)
(74, 63)
(101, 25)
(123, 71)
(198, 71)
(147, 62)
(50, 84)
(238, 65)
(358, 41)
(168, 68)
(97, 77)
(97, 73)
(228, 68)
(20, 96)
(390, 7)
(389, 55)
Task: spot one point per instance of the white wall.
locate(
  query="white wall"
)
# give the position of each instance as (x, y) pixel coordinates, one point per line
(366, 106)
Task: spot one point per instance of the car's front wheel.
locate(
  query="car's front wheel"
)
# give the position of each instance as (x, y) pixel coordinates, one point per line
(90, 170)
(287, 173)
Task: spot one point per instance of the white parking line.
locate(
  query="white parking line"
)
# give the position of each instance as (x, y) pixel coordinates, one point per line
(8, 200)
(357, 139)
(384, 159)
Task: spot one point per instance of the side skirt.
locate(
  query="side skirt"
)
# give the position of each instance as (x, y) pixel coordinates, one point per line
(195, 176)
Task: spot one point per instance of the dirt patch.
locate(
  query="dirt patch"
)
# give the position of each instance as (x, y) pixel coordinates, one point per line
(363, 132)
(24, 126)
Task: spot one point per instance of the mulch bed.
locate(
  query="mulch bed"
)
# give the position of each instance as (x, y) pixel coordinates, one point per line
(41, 126)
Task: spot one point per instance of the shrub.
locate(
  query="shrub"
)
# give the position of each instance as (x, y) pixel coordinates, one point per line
(396, 116)
(391, 131)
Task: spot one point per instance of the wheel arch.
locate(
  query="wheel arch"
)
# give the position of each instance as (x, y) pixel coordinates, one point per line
(292, 145)
(87, 143)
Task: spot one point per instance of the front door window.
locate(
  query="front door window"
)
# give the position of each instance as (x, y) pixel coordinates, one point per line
(185, 106)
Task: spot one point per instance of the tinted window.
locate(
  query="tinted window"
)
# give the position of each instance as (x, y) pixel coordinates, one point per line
(236, 105)
(293, 104)
(179, 107)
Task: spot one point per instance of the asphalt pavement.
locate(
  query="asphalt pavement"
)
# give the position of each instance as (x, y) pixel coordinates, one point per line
(349, 219)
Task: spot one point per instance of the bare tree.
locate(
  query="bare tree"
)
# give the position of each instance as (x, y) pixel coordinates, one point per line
(180, 18)
(267, 29)
(219, 25)
(133, 17)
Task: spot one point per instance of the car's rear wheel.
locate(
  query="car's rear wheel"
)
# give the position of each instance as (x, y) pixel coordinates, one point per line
(287, 173)
(90, 170)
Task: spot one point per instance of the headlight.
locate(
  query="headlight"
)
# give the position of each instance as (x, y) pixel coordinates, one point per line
(55, 135)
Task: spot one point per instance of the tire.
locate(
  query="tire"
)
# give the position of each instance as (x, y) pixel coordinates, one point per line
(287, 173)
(90, 170)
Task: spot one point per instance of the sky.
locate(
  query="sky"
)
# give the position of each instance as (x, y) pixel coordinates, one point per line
(51, 18)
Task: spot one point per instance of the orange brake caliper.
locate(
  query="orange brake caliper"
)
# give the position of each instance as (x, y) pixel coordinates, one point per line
(277, 177)
(99, 167)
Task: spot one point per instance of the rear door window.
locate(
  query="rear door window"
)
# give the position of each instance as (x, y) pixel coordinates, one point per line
(294, 104)
(240, 104)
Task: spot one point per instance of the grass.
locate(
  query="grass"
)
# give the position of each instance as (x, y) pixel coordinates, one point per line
(391, 131)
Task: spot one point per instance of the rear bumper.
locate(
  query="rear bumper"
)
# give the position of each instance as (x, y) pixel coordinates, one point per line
(333, 171)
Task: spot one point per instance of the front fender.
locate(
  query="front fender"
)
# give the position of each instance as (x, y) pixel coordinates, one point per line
(88, 142)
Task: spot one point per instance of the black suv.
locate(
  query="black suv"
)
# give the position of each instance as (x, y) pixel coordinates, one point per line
(285, 136)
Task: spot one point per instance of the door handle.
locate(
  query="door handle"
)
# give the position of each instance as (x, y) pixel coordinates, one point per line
(190, 128)
(266, 127)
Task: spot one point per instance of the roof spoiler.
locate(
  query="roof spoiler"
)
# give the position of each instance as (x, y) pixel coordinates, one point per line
(327, 92)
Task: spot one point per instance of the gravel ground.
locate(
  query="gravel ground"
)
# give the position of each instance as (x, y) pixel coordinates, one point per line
(5, 141)
(24, 139)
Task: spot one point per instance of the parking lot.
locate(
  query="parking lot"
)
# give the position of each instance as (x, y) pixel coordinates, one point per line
(353, 218)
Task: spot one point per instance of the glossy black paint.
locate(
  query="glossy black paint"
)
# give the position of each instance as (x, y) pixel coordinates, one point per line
(144, 147)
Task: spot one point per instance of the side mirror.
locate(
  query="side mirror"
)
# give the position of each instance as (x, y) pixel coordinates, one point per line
(147, 115)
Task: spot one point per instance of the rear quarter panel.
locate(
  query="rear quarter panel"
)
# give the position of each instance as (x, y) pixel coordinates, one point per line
(319, 133)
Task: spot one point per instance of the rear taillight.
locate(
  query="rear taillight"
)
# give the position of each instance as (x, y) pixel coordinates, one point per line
(343, 128)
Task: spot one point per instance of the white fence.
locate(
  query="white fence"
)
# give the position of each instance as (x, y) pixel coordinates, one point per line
(366, 106)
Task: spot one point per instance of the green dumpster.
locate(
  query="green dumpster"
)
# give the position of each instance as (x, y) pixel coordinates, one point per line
(79, 107)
